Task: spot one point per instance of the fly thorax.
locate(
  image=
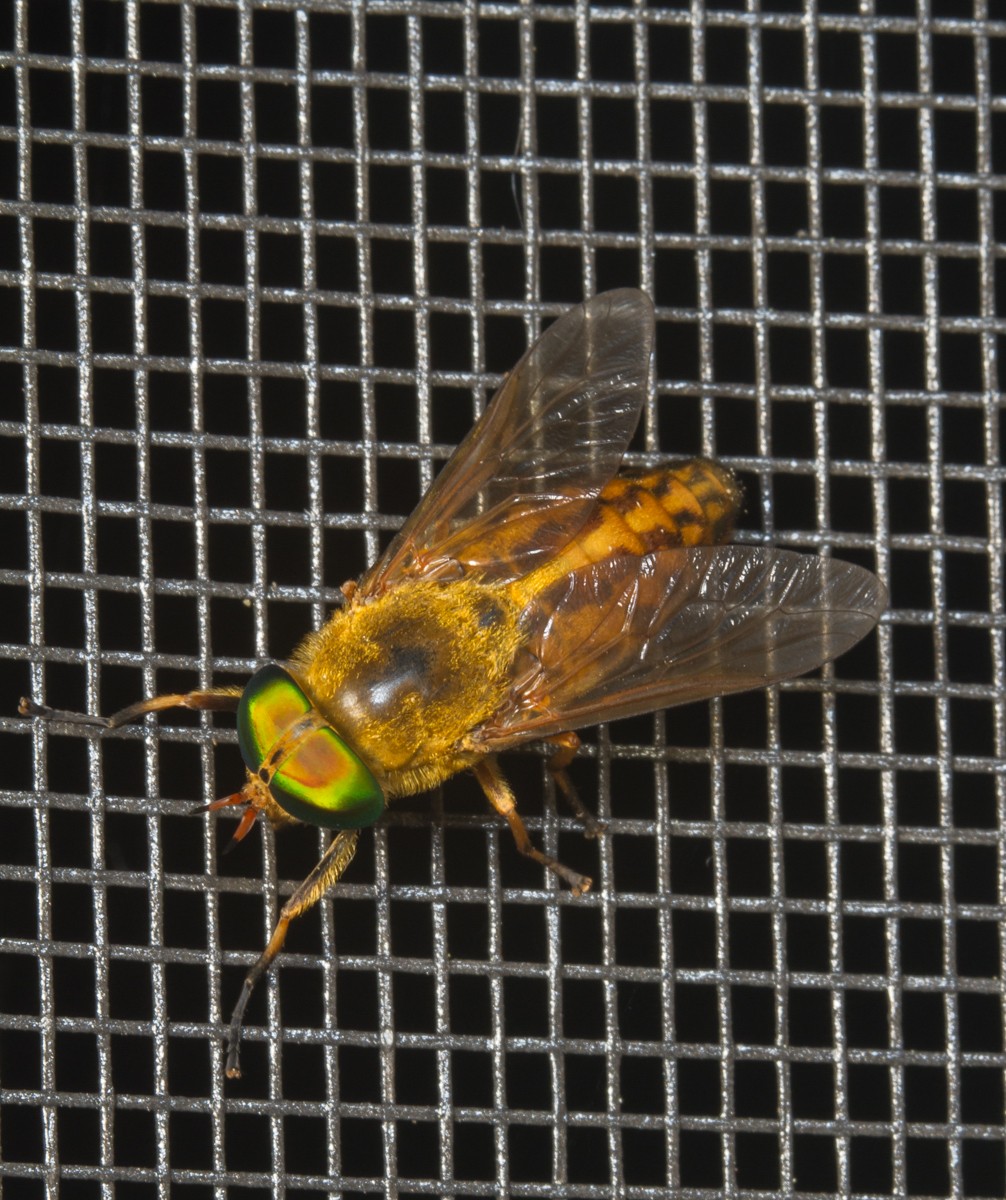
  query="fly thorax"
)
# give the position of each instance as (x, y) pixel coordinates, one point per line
(405, 676)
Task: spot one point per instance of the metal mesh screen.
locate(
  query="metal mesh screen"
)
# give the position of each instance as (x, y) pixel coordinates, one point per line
(260, 267)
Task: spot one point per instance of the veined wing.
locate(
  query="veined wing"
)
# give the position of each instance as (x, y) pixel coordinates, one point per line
(634, 634)
(526, 477)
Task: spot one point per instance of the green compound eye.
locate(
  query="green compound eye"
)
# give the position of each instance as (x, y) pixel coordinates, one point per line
(318, 779)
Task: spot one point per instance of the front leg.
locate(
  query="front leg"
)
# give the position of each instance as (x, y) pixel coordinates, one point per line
(213, 700)
(325, 875)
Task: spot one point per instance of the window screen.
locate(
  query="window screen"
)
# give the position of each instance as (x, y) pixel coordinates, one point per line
(261, 266)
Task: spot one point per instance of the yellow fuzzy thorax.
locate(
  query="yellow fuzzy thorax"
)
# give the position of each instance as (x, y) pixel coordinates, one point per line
(404, 677)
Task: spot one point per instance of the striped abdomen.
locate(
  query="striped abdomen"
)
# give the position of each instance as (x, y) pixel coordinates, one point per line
(692, 504)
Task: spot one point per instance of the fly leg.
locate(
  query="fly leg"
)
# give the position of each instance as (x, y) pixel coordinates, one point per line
(567, 745)
(325, 875)
(500, 796)
(213, 699)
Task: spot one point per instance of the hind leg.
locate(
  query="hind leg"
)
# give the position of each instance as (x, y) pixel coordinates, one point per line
(567, 745)
(501, 797)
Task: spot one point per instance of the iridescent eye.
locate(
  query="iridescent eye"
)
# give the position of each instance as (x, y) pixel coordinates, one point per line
(319, 779)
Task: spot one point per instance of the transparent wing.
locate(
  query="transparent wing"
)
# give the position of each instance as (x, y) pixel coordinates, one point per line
(526, 477)
(630, 635)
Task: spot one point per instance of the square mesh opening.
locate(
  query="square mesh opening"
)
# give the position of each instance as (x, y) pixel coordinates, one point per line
(260, 268)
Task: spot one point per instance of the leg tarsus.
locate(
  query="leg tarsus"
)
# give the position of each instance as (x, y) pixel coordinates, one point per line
(324, 876)
(232, 1067)
(28, 707)
(501, 797)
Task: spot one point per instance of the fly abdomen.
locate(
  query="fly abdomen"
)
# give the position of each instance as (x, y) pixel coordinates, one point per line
(693, 504)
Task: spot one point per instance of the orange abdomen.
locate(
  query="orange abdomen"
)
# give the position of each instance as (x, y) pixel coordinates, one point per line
(692, 504)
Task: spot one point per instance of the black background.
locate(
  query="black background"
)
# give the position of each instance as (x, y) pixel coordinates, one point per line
(789, 976)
